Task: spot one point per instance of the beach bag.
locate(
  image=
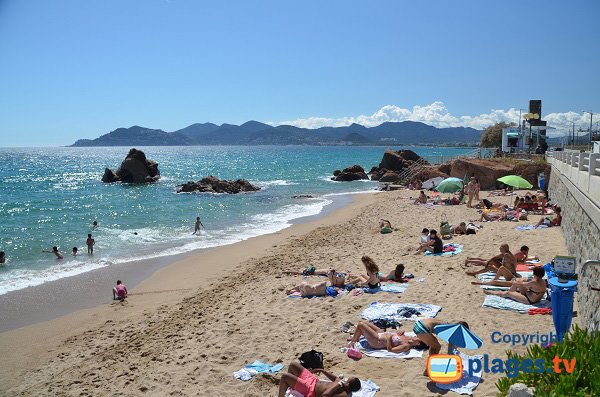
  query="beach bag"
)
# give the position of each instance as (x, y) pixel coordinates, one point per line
(444, 226)
(354, 353)
(311, 359)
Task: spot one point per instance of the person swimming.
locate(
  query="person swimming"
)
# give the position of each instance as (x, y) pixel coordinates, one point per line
(55, 251)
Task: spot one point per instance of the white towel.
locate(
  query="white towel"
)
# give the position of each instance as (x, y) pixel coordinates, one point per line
(392, 311)
(499, 302)
(363, 345)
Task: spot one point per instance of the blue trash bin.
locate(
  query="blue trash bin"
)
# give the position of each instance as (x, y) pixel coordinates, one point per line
(562, 305)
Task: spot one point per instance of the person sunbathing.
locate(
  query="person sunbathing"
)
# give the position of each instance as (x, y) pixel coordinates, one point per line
(422, 199)
(528, 292)
(424, 329)
(395, 275)
(556, 221)
(384, 223)
(395, 342)
(460, 229)
(503, 264)
(523, 255)
(308, 383)
(306, 289)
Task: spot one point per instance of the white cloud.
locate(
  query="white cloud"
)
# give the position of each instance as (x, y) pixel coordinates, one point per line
(437, 114)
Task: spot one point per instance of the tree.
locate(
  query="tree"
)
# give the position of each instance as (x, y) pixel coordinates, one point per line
(492, 135)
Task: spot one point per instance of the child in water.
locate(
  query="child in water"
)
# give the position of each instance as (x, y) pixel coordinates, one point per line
(90, 244)
(56, 252)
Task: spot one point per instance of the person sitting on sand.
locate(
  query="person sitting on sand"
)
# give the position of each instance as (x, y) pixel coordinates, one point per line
(395, 342)
(503, 264)
(556, 221)
(424, 329)
(422, 199)
(371, 280)
(56, 252)
(120, 291)
(384, 223)
(528, 292)
(435, 245)
(308, 384)
(523, 255)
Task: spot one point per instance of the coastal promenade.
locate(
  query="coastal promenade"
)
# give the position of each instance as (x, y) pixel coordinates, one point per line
(575, 186)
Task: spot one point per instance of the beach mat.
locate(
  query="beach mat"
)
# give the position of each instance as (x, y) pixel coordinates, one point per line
(469, 381)
(489, 276)
(457, 250)
(368, 388)
(499, 302)
(394, 288)
(364, 347)
(530, 227)
(395, 311)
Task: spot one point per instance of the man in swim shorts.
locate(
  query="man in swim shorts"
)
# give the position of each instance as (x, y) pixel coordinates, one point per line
(308, 384)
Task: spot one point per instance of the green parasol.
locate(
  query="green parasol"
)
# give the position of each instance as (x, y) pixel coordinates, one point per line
(450, 185)
(515, 181)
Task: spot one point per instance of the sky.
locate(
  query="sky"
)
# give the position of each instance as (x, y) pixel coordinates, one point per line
(73, 69)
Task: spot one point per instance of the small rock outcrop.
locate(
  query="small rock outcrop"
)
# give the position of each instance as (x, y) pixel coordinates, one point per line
(302, 196)
(136, 168)
(354, 173)
(520, 390)
(211, 184)
(392, 164)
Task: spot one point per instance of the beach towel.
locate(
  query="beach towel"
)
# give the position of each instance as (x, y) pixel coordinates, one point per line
(399, 311)
(392, 287)
(531, 227)
(364, 347)
(469, 381)
(256, 367)
(368, 388)
(449, 249)
(489, 276)
(498, 302)
(331, 291)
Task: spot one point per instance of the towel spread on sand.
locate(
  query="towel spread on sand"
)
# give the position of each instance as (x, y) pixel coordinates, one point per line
(363, 345)
(368, 388)
(469, 381)
(449, 249)
(489, 276)
(399, 311)
(531, 227)
(391, 287)
(499, 302)
(256, 367)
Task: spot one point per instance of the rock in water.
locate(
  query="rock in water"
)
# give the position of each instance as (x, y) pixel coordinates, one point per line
(134, 169)
(353, 173)
(211, 184)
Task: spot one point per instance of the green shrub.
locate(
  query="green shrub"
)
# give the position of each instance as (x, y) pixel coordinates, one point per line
(584, 381)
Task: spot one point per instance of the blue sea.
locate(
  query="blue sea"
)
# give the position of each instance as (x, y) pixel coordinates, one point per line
(50, 197)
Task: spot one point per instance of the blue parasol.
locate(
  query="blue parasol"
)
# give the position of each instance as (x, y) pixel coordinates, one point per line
(458, 335)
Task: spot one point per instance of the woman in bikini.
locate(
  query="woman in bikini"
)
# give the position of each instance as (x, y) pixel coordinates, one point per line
(372, 279)
(395, 342)
(529, 292)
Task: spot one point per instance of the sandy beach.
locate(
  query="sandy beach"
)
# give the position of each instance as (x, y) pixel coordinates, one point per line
(187, 327)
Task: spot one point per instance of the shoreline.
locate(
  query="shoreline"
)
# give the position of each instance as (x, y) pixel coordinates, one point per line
(167, 280)
(56, 298)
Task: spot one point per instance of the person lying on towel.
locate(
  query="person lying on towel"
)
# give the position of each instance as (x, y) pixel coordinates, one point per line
(504, 264)
(395, 342)
(527, 292)
(308, 383)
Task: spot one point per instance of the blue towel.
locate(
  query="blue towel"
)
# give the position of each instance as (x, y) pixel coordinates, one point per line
(256, 367)
(531, 227)
(499, 302)
(393, 288)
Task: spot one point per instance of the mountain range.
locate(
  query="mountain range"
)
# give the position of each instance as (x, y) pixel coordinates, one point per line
(257, 133)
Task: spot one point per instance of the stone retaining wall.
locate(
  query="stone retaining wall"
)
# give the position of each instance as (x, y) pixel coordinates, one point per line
(581, 228)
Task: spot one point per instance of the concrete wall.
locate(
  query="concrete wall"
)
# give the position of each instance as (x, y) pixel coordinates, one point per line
(576, 190)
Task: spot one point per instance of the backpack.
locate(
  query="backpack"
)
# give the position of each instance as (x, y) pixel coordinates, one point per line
(311, 359)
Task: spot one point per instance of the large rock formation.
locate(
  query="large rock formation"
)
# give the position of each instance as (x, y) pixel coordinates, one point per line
(392, 164)
(211, 184)
(487, 171)
(354, 173)
(134, 169)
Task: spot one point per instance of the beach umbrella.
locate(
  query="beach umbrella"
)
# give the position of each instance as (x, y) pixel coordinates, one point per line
(450, 185)
(515, 181)
(458, 335)
(431, 183)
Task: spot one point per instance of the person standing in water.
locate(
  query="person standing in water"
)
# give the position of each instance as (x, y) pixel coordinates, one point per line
(2, 258)
(55, 251)
(197, 225)
(90, 244)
